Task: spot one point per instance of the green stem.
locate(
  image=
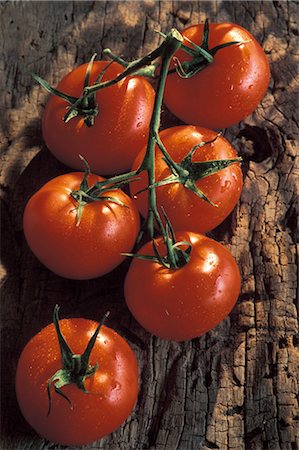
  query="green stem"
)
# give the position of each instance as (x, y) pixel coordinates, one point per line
(176, 169)
(130, 70)
(128, 176)
(172, 43)
(107, 52)
(146, 71)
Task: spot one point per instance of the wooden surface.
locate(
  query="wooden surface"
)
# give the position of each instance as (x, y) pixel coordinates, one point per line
(235, 387)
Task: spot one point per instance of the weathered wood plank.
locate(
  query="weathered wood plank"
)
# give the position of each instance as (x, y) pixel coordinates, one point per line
(236, 387)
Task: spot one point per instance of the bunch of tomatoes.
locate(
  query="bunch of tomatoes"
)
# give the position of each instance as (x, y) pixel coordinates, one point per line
(103, 119)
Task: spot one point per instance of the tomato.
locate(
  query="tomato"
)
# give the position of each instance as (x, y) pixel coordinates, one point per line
(120, 128)
(184, 208)
(184, 303)
(229, 88)
(85, 249)
(112, 389)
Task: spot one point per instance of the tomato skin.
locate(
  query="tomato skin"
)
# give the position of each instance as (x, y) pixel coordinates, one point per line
(114, 386)
(183, 304)
(120, 128)
(85, 250)
(185, 209)
(226, 91)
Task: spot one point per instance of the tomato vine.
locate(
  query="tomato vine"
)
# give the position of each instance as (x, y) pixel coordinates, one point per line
(174, 265)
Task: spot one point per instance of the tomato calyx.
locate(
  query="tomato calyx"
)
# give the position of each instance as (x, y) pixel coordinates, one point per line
(87, 194)
(84, 106)
(201, 54)
(188, 172)
(177, 252)
(75, 368)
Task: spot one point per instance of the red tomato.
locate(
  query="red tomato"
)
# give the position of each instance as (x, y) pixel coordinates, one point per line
(113, 388)
(82, 250)
(184, 303)
(120, 128)
(226, 91)
(184, 208)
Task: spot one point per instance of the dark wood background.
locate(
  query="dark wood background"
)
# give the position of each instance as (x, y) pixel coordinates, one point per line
(235, 387)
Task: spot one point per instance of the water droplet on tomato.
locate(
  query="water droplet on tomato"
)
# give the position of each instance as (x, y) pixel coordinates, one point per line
(219, 284)
(138, 125)
(116, 386)
(250, 86)
(232, 87)
(226, 186)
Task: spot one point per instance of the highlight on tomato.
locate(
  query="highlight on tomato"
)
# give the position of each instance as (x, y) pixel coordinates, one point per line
(78, 227)
(76, 381)
(183, 302)
(205, 185)
(221, 83)
(107, 127)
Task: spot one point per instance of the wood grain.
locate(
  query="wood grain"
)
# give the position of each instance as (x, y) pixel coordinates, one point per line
(236, 387)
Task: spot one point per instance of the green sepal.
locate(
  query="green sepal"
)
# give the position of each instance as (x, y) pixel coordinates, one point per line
(169, 180)
(66, 352)
(143, 257)
(205, 37)
(88, 70)
(203, 169)
(176, 257)
(189, 184)
(192, 68)
(84, 183)
(183, 256)
(85, 194)
(60, 378)
(186, 161)
(215, 49)
(71, 114)
(68, 98)
(90, 345)
(75, 368)
(160, 259)
(201, 55)
(200, 50)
